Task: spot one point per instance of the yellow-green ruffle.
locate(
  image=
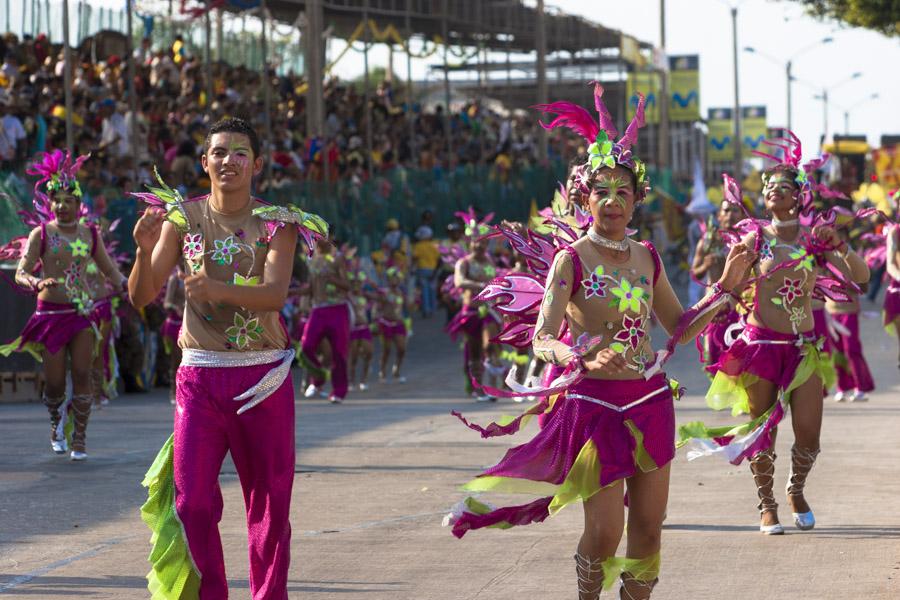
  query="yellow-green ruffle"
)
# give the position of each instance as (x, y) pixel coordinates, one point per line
(173, 575)
(581, 482)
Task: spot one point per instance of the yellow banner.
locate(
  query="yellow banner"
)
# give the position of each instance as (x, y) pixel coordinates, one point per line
(720, 140)
(684, 88)
(887, 166)
(647, 84)
(753, 128)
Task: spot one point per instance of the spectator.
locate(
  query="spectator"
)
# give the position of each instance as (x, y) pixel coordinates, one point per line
(426, 258)
(114, 136)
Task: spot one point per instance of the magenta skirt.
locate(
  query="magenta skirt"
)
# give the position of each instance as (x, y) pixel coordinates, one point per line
(892, 302)
(630, 425)
(102, 311)
(53, 325)
(774, 362)
(171, 328)
(363, 332)
(391, 329)
(714, 338)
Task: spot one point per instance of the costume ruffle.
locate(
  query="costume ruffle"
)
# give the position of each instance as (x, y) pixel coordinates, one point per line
(595, 435)
(47, 329)
(891, 310)
(784, 359)
(173, 575)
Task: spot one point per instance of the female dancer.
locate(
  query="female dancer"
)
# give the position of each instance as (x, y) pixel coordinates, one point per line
(361, 344)
(614, 422)
(173, 304)
(61, 331)
(777, 362)
(391, 308)
(475, 320)
(854, 380)
(892, 260)
(709, 261)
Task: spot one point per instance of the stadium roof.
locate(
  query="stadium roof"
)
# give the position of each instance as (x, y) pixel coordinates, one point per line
(498, 24)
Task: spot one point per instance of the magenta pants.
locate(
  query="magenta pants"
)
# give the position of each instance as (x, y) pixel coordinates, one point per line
(261, 442)
(332, 322)
(852, 369)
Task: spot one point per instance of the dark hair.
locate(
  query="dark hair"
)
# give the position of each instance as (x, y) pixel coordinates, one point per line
(579, 160)
(233, 125)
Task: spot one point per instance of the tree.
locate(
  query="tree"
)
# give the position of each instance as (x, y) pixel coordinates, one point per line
(880, 15)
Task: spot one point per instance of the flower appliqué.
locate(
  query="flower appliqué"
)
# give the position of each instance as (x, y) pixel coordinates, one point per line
(594, 284)
(629, 296)
(248, 281)
(193, 245)
(632, 331)
(765, 250)
(55, 243)
(79, 247)
(244, 331)
(798, 315)
(805, 258)
(225, 250)
(790, 291)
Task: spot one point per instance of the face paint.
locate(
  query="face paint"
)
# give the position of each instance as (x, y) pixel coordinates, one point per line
(612, 189)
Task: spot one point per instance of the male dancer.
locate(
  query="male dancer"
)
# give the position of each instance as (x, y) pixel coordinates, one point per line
(329, 320)
(234, 391)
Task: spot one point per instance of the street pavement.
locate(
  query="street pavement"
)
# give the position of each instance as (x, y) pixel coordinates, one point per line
(375, 476)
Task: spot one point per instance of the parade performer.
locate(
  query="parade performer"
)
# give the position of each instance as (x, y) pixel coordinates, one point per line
(234, 390)
(776, 363)
(63, 331)
(362, 347)
(328, 320)
(173, 304)
(613, 421)
(104, 371)
(475, 321)
(854, 380)
(709, 260)
(392, 306)
(891, 317)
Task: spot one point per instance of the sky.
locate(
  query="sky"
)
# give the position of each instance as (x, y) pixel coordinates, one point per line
(780, 29)
(776, 28)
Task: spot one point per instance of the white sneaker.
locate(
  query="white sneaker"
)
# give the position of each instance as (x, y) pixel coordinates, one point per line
(310, 391)
(804, 521)
(839, 397)
(363, 387)
(59, 446)
(78, 456)
(401, 379)
(483, 398)
(519, 399)
(335, 400)
(858, 396)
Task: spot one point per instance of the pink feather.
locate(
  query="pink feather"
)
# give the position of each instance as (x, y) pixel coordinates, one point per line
(570, 115)
(631, 132)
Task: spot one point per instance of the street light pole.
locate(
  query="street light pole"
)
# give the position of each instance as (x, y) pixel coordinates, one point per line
(790, 79)
(663, 98)
(738, 167)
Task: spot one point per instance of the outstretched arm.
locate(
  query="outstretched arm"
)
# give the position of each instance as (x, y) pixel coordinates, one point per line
(672, 316)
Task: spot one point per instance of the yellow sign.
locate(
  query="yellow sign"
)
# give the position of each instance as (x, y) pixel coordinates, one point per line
(720, 139)
(753, 128)
(646, 83)
(684, 88)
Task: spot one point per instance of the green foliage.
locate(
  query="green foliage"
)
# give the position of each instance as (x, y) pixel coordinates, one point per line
(881, 15)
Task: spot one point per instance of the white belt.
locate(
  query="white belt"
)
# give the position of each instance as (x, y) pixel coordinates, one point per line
(799, 341)
(270, 382)
(614, 407)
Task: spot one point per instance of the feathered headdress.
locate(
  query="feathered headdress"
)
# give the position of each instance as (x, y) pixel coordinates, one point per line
(473, 227)
(603, 151)
(56, 171)
(790, 156)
